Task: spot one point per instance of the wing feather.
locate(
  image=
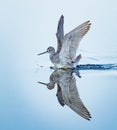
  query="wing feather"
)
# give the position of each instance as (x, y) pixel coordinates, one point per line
(60, 33)
(71, 96)
(71, 42)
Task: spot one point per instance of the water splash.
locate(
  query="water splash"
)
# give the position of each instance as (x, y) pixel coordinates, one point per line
(97, 67)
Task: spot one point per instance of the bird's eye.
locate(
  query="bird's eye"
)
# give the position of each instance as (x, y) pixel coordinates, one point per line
(49, 49)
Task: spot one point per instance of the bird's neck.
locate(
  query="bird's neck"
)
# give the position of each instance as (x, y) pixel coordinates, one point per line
(54, 58)
(52, 53)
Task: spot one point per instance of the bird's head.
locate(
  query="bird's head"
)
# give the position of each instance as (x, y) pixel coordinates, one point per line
(50, 50)
(49, 85)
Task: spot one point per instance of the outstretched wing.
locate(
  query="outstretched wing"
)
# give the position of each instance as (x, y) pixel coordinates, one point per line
(71, 41)
(71, 96)
(60, 33)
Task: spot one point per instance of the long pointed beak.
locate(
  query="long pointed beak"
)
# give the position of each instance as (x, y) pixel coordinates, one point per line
(43, 83)
(42, 53)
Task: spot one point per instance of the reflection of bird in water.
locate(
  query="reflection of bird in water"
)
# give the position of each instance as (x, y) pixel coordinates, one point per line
(67, 92)
(65, 56)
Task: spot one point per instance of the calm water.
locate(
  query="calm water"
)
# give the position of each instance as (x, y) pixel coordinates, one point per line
(25, 104)
(28, 27)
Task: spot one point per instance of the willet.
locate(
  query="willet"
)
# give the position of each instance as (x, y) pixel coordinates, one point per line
(67, 92)
(65, 55)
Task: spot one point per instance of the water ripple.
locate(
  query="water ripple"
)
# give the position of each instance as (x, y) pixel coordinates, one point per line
(97, 67)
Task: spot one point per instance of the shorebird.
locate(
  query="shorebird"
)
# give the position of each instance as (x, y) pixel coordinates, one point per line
(67, 92)
(65, 55)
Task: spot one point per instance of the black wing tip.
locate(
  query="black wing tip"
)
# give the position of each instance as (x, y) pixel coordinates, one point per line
(89, 22)
(88, 25)
(89, 119)
(62, 17)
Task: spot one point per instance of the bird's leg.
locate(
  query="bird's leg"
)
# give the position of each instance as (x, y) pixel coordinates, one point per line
(78, 74)
(76, 71)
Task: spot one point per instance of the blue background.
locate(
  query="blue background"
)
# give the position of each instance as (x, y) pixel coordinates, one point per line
(28, 27)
